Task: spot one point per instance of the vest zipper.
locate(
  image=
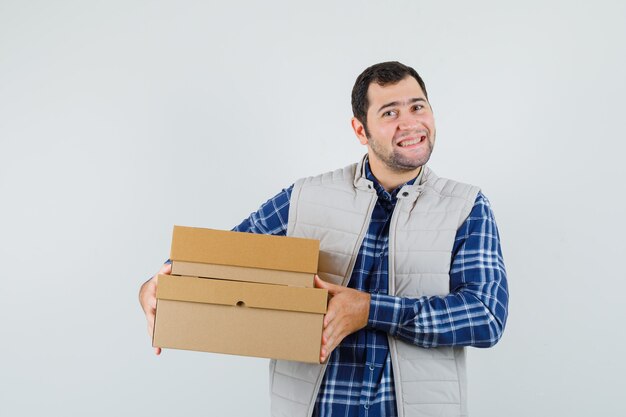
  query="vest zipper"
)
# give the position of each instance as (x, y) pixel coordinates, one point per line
(392, 291)
(345, 281)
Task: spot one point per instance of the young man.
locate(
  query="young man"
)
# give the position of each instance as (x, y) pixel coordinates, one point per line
(412, 262)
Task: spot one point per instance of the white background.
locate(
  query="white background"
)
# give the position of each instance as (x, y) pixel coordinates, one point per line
(119, 119)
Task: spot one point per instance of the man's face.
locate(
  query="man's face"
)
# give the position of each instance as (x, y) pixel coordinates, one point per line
(400, 130)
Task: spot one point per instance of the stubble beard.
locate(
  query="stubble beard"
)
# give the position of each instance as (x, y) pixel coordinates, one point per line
(397, 161)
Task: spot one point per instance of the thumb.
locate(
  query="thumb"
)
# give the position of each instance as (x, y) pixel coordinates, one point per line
(320, 283)
(166, 269)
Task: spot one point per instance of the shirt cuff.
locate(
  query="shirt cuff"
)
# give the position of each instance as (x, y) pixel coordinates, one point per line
(384, 313)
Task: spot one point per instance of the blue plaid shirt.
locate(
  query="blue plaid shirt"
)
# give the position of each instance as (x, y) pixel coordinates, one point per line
(359, 379)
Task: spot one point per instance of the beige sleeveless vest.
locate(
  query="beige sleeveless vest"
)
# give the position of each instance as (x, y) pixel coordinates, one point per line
(336, 208)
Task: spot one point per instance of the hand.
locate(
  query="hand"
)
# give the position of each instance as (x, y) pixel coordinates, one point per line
(147, 299)
(348, 311)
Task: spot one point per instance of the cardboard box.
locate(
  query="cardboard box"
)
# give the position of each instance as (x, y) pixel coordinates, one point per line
(240, 273)
(277, 315)
(240, 318)
(244, 256)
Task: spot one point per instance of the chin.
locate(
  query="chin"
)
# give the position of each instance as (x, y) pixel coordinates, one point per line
(410, 164)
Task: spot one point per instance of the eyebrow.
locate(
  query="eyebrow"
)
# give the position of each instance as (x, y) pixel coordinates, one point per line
(396, 103)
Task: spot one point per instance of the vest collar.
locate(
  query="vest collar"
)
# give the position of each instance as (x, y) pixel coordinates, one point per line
(360, 180)
(409, 192)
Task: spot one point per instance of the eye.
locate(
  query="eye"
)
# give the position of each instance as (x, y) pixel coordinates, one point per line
(389, 113)
(418, 107)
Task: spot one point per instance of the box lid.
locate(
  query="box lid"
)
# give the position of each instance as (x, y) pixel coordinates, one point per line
(244, 294)
(193, 244)
(242, 273)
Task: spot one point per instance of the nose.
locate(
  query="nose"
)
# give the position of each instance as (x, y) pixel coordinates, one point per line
(407, 122)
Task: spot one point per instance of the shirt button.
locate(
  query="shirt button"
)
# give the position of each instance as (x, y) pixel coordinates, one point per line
(372, 367)
(366, 406)
(405, 194)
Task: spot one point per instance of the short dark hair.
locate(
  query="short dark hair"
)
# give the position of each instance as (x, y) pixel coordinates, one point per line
(382, 74)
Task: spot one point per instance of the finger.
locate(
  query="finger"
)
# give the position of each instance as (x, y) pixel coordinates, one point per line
(325, 347)
(150, 319)
(328, 337)
(157, 351)
(324, 338)
(324, 353)
(326, 350)
(166, 269)
(332, 288)
(319, 283)
(329, 317)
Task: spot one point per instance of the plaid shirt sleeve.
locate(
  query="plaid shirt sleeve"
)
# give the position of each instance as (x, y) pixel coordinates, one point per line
(270, 218)
(475, 311)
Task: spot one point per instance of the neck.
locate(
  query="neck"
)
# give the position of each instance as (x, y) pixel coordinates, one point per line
(391, 179)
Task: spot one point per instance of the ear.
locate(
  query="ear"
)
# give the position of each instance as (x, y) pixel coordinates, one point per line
(359, 130)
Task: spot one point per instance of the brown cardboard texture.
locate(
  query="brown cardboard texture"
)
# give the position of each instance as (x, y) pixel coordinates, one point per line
(240, 273)
(248, 250)
(241, 318)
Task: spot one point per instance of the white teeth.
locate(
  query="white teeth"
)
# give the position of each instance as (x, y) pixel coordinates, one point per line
(410, 142)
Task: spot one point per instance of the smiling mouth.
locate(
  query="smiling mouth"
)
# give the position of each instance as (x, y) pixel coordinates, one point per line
(411, 142)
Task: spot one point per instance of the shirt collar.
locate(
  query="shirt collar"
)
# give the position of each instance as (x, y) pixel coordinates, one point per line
(380, 190)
